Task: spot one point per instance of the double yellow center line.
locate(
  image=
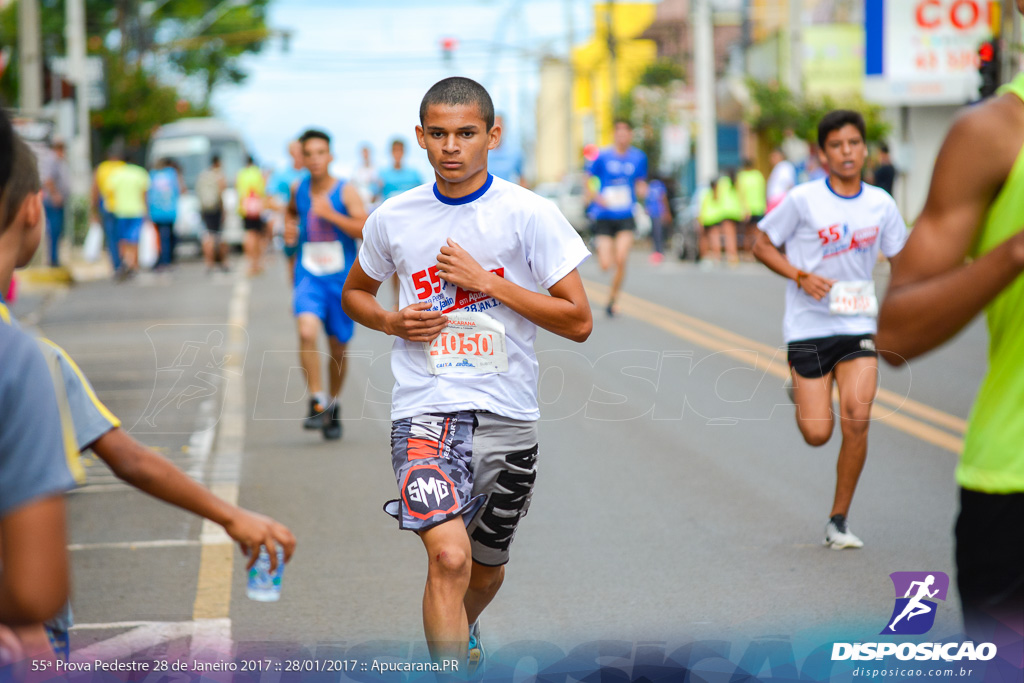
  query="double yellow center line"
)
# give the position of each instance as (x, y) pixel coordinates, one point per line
(903, 413)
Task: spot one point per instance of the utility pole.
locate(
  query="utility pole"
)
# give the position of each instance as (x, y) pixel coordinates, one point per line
(570, 36)
(30, 71)
(1011, 40)
(613, 77)
(796, 67)
(80, 149)
(704, 90)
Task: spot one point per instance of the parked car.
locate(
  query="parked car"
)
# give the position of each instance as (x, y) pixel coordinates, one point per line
(568, 197)
(191, 142)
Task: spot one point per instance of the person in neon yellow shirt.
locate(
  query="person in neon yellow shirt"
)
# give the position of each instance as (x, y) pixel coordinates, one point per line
(753, 191)
(965, 255)
(102, 204)
(127, 187)
(252, 200)
(727, 211)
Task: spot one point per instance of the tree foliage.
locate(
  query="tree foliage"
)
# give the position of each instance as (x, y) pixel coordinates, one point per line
(152, 51)
(647, 106)
(777, 110)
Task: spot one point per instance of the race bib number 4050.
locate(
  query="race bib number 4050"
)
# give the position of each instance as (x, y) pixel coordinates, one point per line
(471, 343)
(853, 297)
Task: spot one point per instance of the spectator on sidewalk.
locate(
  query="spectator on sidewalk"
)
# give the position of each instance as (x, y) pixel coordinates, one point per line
(751, 186)
(56, 190)
(128, 185)
(210, 186)
(103, 203)
(165, 188)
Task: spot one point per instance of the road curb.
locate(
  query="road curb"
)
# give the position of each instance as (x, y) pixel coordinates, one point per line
(74, 273)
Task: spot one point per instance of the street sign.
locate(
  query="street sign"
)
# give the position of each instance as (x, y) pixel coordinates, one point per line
(96, 94)
(922, 52)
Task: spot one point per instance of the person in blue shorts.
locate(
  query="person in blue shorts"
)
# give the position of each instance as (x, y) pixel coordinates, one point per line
(326, 215)
(621, 171)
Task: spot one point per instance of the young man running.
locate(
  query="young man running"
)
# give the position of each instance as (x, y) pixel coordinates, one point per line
(470, 252)
(975, 210)
(621, 171)
(326, 215)
(832, 230)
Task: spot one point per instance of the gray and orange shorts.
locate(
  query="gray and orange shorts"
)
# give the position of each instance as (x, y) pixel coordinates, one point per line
(475, 465)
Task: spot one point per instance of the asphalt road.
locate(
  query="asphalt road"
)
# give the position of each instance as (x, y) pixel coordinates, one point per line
(676, 501)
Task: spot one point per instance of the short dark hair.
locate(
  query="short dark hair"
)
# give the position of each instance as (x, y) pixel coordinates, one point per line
(623, 121)
(459, 90)
(836, 119)
(397, 141)
(6, 147)
(314, 134)
(23, 181)
(883, 147)
(215, 159)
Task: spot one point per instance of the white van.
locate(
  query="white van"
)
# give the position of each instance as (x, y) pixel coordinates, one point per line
(192, 143)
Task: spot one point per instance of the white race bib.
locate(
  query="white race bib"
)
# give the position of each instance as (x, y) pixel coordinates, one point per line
(853, 297)
(323, 258)
(617, 197)
(471, 344)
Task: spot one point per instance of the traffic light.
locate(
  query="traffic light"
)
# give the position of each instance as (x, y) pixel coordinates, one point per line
(448, 47)
(988, 68)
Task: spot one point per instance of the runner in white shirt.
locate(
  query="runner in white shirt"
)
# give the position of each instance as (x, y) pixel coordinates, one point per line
(832, 230)
(781, 180)
(470, 252)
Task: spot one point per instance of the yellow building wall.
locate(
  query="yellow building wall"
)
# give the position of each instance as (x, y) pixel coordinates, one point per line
(592, 85)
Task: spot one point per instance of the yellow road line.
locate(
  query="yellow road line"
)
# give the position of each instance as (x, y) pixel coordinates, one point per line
(216, 562)
(763, 357)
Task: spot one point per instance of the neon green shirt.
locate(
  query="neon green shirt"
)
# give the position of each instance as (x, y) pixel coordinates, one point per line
(728, 200)
(751, 186)
(710, 210)
(993, 457)
(128, 185)
(250, 184)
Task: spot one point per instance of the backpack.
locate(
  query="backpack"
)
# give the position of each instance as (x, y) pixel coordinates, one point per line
(208, 190)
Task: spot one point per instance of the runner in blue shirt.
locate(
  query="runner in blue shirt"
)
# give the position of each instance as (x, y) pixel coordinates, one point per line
(281, 188)
(397, 179)
(326, 215)
(162, 198)
(621, 171)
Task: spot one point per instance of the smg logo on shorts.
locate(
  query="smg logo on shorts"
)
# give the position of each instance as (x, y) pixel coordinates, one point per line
(916, 595)
(427, 491)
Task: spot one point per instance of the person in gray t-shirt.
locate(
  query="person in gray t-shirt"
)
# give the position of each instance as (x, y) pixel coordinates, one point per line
(33, 479)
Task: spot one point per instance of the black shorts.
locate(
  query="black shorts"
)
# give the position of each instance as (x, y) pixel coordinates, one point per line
(990, 563)
(253, 224)
(813, 358)
(213, 219)
(613, 226)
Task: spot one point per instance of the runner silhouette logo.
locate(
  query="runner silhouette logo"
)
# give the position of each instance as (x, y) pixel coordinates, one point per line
(916, 593)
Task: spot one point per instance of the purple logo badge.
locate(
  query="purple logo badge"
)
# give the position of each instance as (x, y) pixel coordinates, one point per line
(916, 593)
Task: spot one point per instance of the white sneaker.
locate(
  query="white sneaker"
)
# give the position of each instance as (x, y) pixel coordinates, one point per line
(839, 536)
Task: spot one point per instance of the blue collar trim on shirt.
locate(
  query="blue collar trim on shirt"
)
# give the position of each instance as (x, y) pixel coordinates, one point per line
(842, 196)
(472, 197)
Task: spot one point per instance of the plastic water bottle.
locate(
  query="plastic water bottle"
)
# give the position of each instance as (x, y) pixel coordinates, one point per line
(264, 585)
